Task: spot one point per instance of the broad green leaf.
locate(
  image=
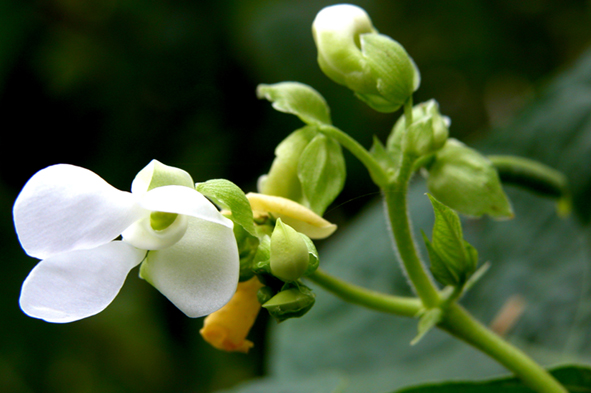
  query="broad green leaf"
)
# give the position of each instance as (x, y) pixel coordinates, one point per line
(322, 172)
(298, 99)
(575, 378)
(466, 181)
(229, 196)
(440, 270)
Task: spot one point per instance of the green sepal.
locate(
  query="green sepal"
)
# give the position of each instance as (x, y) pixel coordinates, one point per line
(229, 196)
(247, 250)
(265, 294)
(453, 260)
(262, 257)
(282, 179)
(427, 321)
(293, 301)
(297, 99)
(468, 182)
(322, 172)
(314, 261)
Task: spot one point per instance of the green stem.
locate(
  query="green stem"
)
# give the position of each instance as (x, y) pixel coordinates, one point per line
(396, 202)
(463, 326)
(404, 306)
(377, 173)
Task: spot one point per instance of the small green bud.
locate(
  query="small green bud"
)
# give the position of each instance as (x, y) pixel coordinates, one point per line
(353, 54)
(289, 253)
(291, 303)
(468, 182)
(427, 133)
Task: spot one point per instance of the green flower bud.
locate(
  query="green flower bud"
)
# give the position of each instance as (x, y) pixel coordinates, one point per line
(352, 53)
(468, 182)
(427, 133)
(289, 253)
(290, 303)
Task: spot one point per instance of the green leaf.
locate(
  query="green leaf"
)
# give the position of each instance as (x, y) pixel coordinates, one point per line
(298, 99)
(322, 172)
(440, 270)
(466, 181)
(574, 377)
(229, 196)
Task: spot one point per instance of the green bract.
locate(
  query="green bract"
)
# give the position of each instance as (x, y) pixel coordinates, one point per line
(466, 181)
(352, 53)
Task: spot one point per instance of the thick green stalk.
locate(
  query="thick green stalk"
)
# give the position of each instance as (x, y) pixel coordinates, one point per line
(378, 301)
(395, 196)
(463, 326)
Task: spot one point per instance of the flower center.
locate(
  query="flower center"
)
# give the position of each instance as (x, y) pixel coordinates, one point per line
(159, 221)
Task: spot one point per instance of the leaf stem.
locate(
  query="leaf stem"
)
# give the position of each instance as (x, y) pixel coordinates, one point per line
(377, 173)
(378, 301)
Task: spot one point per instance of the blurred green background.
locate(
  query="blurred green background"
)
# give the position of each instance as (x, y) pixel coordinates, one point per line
(111, 84)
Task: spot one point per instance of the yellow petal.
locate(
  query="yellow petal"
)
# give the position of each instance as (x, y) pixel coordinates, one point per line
(293, 214)
(227, 328)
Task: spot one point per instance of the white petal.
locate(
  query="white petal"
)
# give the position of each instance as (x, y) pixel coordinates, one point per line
(78, 284)
(200, 273)
(64, 208)
(183, 200)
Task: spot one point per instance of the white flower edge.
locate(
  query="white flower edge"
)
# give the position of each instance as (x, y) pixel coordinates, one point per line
(64, 208)
(75, 285)
(200, 273)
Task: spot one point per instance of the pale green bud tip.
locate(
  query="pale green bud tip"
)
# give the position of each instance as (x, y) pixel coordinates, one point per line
(161, 220)
(352, 53)
(289, 253)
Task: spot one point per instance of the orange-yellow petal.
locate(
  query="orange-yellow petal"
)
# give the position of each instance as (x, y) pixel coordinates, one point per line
(227, 328)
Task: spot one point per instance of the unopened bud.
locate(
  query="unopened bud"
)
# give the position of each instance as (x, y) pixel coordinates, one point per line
(352, 53)
(289, 253)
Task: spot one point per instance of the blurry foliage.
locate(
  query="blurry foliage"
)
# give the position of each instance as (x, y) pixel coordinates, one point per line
(109, 85)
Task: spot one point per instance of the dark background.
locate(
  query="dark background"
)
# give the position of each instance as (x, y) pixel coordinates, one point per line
(110, 85)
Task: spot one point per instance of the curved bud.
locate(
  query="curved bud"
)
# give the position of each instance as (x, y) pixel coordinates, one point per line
(289, 253)
(293, 214)
(352, 53)
(291, 303)
(227, 328)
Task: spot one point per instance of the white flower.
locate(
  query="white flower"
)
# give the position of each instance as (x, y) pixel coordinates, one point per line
(70, 218)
